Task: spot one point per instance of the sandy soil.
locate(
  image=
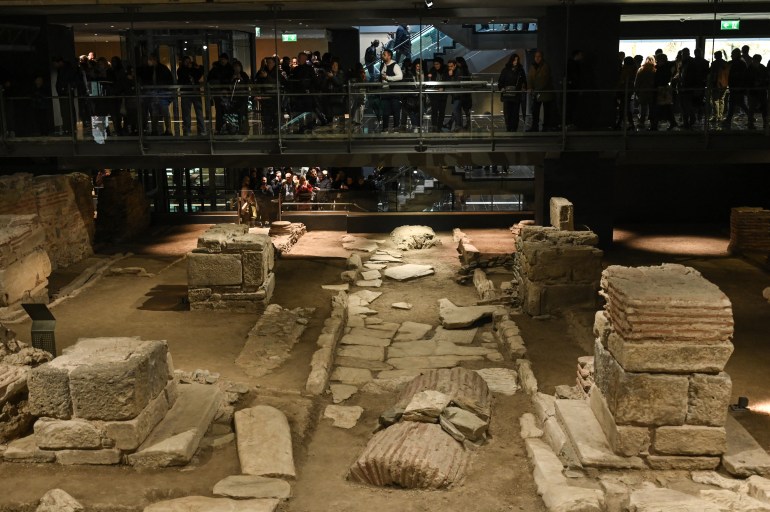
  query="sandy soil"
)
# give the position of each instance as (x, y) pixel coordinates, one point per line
(500, 478)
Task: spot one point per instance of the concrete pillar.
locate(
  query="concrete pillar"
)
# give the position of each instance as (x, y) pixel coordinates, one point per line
(587, 180)
(594, 30)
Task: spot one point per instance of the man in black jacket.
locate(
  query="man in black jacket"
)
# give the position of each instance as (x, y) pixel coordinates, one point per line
(220, 77)
(189, 76)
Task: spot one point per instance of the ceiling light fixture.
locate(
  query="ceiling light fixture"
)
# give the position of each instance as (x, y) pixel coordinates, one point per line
(428, 4)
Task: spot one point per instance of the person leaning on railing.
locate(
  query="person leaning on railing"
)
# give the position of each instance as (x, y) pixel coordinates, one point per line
(541, 87)
(437, 99)
(189, 76)
(267, 79)
(512, 83)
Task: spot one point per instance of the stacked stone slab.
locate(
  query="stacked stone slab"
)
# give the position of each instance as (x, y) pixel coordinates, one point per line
(98, 401)
(663, 340)
(231, 269)
(749, 230)
(556, 269)
(24, 263)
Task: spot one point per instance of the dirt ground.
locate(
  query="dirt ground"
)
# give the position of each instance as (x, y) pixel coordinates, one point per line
(500, 477)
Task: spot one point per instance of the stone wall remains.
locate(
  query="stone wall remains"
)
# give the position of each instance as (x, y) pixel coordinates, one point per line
(123, 211)
(64, 208)
(556, 269)
(24, 263)
(749, 230)
(662, 343)
(231, 269)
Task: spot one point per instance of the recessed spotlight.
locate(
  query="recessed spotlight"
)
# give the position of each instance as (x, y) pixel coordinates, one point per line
(112, 26)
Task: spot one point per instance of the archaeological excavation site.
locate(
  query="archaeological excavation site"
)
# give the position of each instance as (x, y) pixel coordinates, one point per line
(218, 367)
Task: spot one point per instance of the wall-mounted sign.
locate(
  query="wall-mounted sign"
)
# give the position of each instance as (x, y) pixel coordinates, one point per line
(289, 38)
(730, 25)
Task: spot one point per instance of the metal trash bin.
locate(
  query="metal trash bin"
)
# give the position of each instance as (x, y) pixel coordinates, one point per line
(43, 325)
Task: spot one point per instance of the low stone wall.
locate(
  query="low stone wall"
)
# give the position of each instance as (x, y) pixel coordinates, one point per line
(749, 230)
(323, 359)
(123, 211)
(231, 269)
(64, 208)
(24, 263)
(556, 269)
(472, 258)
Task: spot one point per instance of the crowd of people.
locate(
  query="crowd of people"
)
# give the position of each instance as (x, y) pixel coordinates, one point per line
(265, 192)
(314, 92)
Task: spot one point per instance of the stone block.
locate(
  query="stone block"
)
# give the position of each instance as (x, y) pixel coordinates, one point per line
(562, 214)
(256, 242)
(255, 268)
(89, 457)
(25, 450)
(204, 270)
(116, 380)
(129, 435)
(708, 399)
(248, 486)
(759, 488)
(682, 462)
(744, 456)
(659, 500)
(264, 442)
(640, 398)
(206, 504)
(625, 440)
(49, 392)
(689, 440)
(53, 434)
(57, 500)
(669, 357)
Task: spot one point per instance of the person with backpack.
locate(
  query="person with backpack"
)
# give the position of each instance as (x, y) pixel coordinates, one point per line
(370, 57)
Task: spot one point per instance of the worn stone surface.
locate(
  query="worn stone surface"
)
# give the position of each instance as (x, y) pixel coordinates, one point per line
(264, 442)
(100, 379)
(412, 331)
(365, 296)
(105, 457)
(456, 336)
(406, 363)
(336, 287)
(341, 392)
(456, 317)
(214, 269)
(52, 434)
(759, 488)
(414, 237)
(526, 376)
(708, 399)
(544, 405)
(562, 213)
(426, 406)
(682, 462)
(401, 305)
(529, 427)
(175, 439)
(57, 500)
(250, 486)
(587, 436)
(717, 480)
(465, 388)
(408, 271)
(728, 500)
(412, 455)
(371, 283)
(468, 424)
(344, 416)
(667, 500)
(354, 262)
(354, 362)
(25, 450)
(743, 456)
(689, 440)
(500, 380)
(362, 352)
(130, 434)
(354, 376)
(205, 504)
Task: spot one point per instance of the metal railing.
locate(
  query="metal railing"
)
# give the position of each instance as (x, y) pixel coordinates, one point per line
(464, 112)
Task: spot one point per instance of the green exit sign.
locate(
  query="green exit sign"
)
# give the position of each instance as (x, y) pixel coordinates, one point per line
(289, 38)
(731, 24)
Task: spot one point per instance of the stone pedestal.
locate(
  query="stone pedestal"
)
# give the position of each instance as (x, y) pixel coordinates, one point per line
(662, 343)
(556, 269)
(99, 400)
(231, 269)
